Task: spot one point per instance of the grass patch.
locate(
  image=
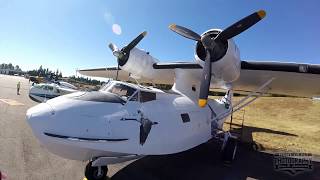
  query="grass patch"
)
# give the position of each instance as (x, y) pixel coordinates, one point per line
(282, 123)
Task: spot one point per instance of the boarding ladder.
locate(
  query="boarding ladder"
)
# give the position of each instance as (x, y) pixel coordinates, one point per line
(236, 123)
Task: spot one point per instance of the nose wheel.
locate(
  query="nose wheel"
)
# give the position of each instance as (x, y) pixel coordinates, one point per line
(95, 172)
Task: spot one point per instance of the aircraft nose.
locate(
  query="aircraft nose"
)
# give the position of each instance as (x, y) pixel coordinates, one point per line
(38, 113)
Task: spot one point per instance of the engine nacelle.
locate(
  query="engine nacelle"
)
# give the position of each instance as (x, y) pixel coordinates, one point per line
(228, 65)
(140, 65)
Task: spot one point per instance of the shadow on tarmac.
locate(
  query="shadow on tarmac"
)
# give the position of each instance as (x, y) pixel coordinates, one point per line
(204, 162)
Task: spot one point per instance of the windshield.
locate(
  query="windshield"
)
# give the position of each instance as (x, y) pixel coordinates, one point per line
(39, 86)
(121, 90)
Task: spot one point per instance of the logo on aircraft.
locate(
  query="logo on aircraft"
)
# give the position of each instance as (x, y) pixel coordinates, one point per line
(145, 127)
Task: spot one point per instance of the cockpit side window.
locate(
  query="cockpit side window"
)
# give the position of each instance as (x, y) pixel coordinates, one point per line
(50, 88)
(147, 96)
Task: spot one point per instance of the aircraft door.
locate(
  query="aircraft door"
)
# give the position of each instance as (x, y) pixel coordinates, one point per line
(48, 92)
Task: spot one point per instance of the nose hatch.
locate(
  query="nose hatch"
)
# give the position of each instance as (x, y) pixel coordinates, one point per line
(39, 112)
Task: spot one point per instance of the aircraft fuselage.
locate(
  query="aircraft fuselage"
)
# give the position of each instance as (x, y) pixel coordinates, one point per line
(85, 125)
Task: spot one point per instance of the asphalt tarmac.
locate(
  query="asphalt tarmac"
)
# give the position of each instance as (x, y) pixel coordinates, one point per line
(22, 158)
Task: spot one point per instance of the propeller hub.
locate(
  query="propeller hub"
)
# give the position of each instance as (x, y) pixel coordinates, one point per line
(117, 54)
(123, 54)
(208, 42)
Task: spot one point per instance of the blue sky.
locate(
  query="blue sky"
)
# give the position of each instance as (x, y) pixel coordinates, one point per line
(71, 34)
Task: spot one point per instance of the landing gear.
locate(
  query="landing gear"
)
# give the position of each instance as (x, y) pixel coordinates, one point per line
(229, 148)
(95, 173)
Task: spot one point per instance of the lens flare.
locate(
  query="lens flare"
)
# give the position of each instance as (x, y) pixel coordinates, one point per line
(116, 29)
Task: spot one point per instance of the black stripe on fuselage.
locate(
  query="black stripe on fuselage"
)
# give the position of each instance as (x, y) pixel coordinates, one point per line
(81, 138)
(174, 65)
(279, 66)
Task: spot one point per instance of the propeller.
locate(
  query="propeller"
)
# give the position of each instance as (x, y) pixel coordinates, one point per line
(214, 46)
(123, 54)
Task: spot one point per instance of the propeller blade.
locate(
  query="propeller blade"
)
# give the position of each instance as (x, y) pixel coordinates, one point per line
(241, 26)
(185, 32)
(205, 81)
(113, 47)
(134, 42)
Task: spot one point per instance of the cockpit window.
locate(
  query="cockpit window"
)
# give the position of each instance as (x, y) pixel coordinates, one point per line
(121, 90)
(147, 96)
(134, 97)
(106, 86)
(39, 86)
(47, 88)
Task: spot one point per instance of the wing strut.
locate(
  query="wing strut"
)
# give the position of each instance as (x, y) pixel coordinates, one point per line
(243, 102)
(257, 93)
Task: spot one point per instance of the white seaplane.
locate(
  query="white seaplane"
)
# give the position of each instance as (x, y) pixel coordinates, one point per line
(125, 121)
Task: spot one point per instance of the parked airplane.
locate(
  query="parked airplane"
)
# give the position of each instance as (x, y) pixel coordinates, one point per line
(125, 121)
(45, 91)
(52, 78)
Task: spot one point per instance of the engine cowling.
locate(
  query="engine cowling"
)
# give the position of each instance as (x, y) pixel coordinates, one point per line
(226, 67)
(140, 65)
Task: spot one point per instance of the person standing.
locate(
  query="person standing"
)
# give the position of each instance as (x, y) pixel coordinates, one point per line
(18, 88)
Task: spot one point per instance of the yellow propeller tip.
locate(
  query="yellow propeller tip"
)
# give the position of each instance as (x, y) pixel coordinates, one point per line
(262, 14)
(84, 179)
(172, 26)
(144, 33)
(202, 102)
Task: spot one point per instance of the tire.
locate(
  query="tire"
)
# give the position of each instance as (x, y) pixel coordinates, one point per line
(91, 173)
(229, 151)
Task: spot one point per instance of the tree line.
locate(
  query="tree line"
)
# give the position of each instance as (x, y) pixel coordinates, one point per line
(44, 72)
(10, 66)
(84, 80)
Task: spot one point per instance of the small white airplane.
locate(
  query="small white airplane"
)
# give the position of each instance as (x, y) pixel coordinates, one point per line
(45, 91)
(125, 121)
(64, 84)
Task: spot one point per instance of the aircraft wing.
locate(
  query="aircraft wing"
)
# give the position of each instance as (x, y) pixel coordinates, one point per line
(111, 72)
(293, 79)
